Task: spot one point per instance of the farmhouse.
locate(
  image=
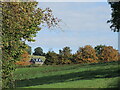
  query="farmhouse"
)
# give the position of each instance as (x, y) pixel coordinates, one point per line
(37, 60)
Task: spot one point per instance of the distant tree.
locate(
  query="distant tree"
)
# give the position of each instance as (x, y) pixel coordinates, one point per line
(38, 51)
(65, 55)
(119, 57)
(24, 59)
(98, 50)
(109, 54)
(77, 58)
(115, 16)
(51, 58)
(87, 54)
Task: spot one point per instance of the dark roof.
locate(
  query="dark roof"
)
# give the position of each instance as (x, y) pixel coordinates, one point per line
(36, 60)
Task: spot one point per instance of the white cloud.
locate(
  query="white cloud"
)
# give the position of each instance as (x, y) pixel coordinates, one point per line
(83, 18)
(75, 40)
(85, 26)
(86, 20)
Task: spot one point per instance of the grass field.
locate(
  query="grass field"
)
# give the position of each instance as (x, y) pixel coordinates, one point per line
(103, 75)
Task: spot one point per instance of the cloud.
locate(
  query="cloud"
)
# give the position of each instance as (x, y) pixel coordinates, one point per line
(81, 16)
(86, 25)
(75, 40)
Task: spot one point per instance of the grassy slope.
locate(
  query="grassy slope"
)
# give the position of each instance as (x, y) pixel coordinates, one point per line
(95, 83)
(68, 76)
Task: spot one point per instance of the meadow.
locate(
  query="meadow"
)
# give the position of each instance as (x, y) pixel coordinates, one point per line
(101, 75)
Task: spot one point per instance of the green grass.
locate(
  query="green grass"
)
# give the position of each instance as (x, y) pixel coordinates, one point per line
(95, 83)
(69, 76)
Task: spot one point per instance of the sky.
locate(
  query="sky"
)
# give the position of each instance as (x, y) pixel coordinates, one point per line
(83, 23)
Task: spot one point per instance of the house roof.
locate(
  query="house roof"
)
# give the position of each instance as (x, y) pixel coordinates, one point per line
(38, 57)
(37, 60)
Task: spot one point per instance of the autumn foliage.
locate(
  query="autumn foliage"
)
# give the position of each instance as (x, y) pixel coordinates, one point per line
(109, 54)
(21, 21)
(24, 60)
(86, 54)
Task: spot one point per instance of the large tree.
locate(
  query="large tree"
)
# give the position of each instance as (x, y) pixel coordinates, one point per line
(20, 22)
(51, 58)
(38, 51)
(108, 53)
(115, 16)
(86, 54)
(65, 55)
(98, 50)
(29, 49)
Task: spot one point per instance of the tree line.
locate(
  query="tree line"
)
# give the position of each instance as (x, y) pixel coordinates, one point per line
(86, 54)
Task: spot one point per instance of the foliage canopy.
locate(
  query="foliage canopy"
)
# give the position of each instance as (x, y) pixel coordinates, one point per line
(115, 16)
(38, 51)
(21, 22)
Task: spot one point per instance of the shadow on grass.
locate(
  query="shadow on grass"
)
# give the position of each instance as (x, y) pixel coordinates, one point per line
(115, 84)
(85, 75)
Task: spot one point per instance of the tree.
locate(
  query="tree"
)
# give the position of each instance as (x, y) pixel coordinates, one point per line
(20, 23)
(51, 58)
(28, 49)
(115, 16)
(24, 59)
(38, 51)
(109, 54)
(87, 54)
(119, 57)
(77, 58)
(98, 50)
(65, 55)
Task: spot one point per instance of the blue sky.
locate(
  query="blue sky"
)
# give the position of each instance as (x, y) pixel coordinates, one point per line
(83, 23)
